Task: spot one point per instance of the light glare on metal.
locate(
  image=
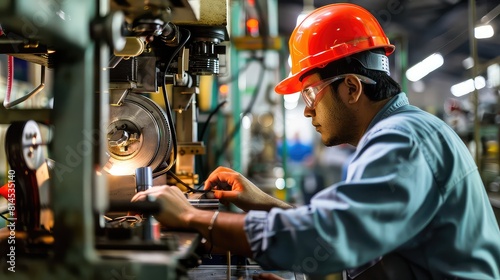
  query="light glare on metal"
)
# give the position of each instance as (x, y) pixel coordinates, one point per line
(246, 122)
(280, 183)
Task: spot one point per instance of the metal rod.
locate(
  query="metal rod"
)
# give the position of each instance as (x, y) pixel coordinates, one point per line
(10, 104)
(228, 265)
(491, 15)
(475, 97)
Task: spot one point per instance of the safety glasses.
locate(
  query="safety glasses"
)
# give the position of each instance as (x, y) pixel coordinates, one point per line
(313, 93)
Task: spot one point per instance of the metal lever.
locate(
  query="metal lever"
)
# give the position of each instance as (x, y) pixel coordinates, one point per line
(144, 181)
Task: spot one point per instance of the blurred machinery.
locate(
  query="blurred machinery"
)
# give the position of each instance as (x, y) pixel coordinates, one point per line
(109, 135)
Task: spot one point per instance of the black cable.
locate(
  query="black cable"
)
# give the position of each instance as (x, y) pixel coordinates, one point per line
(176, 51)
(263, 26)
(168, 111)
(265, 44)
(264, 35)
(205, 126)
(199, 160)
(5, 218)
(244, 68)
(190, 189)
(238, 124)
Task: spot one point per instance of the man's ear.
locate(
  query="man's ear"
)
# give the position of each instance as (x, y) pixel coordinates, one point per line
(355, 88)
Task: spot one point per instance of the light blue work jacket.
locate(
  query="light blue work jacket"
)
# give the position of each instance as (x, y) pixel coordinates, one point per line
(412, 188)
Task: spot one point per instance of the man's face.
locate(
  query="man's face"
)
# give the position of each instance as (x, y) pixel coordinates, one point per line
(332, 118)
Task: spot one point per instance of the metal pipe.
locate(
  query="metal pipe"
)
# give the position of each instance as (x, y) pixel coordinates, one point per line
(474, 71)
(235, 90)
(9, 104)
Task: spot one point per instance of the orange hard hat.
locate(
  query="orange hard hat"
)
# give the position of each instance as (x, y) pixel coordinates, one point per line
(330, 33)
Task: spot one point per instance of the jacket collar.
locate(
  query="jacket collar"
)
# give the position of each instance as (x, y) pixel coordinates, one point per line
(394, 104)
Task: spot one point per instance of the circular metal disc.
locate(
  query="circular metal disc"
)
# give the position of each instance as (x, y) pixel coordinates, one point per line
(139, 114)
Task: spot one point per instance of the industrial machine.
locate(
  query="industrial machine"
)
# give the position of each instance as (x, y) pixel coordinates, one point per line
(126, 78)
(69, 189)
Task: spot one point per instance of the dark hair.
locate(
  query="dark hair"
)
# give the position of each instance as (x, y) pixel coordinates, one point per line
(385, 88)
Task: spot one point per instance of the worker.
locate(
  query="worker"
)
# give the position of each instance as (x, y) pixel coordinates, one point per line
(412, 203)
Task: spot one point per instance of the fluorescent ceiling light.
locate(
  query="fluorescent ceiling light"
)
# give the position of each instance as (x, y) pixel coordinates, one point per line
(493, 72)
(466, 87)
(421, 69)
(484, 31)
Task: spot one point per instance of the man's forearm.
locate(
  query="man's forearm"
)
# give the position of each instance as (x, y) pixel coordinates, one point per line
(274, 202)
(227, 230)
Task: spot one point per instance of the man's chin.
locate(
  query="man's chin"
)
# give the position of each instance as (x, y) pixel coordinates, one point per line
(331, 141)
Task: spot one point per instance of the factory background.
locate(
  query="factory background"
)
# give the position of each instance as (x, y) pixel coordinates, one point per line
(209, 106)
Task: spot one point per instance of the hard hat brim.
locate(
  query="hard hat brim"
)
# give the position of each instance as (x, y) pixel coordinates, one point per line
(292, 83)
(288, 85)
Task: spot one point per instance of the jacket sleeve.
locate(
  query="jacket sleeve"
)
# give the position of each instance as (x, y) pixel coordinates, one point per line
(388, 197)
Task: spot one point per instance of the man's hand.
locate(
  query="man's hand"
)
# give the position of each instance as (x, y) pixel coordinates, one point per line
(226, 230)
(176, 210)
(230, 186)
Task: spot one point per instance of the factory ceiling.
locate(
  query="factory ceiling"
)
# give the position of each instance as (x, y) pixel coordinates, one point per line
(426, 27)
